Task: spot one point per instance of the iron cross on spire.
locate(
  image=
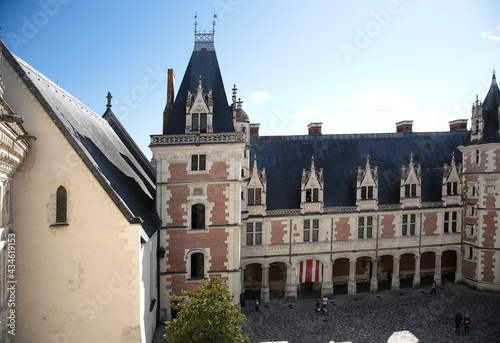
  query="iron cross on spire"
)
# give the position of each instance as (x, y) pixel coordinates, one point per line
(109, 97)
(213, 23)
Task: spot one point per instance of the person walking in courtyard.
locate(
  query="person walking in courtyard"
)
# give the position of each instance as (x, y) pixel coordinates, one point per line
(257, 305)
(389, 276)
(466, 323)
(458, 321)
(318, 305)
(433, 288)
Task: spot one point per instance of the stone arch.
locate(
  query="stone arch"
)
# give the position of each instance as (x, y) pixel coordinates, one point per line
(197, 263)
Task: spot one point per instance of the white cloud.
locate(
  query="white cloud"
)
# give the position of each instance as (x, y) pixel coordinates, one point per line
(342, 104)
(385, 101)
(307, 111)
(490, 35)
(259, 96)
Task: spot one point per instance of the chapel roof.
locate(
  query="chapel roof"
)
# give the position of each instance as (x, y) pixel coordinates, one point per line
(340, 155)
(120, 171)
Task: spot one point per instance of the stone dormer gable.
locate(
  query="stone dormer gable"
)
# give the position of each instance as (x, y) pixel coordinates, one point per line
(411, 182)
(367, 181)
(452, 185)
(312, 185)
(199, 110)
(367, 185)
(257, 185)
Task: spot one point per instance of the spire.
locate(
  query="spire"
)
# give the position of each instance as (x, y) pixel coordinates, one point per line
(234, 95)
(109, 97)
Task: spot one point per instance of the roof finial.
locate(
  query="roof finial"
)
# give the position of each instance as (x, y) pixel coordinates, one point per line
(312, 160)
(367, 158)
(255, 160)
(213, 23)
(199, 81)
(109, 100)
(239, 102)
(494, 77)
(195, 21)
(234, 94)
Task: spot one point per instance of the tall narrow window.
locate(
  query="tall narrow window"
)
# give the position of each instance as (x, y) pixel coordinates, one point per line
(477, 156)
(411, 190)
(409, 222)
(315, 231)
(365, 227)
(197, 265)
(198, 162)
(61, 205)
(198, 216)
(254, 196)
(254, 237)
(307, 230)
(452, 188)
(367, 192)
(194, 123)
(450, 221)
(312, 195)
(203, 122)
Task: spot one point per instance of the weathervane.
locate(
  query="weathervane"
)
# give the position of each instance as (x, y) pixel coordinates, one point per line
(213, 23)
(195, 21)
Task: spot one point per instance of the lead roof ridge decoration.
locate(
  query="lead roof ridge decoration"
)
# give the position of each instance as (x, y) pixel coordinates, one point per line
(205, 37)
(257, 176)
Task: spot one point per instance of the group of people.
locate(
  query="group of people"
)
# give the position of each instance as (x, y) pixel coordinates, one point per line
(458, 322)
(321, 305)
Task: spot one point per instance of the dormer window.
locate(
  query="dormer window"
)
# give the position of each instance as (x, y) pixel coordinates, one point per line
(411, 190)
(367, 192)
(199, 122)
(452, 188)
(254, 196)
(312, 195)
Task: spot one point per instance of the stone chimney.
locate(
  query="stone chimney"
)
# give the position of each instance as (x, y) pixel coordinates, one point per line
(404, 126)
(170, 97)
(254, 129)
(458, 124)
(314, 128)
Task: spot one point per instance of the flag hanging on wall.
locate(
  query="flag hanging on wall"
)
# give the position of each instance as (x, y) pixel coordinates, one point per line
(310, 271)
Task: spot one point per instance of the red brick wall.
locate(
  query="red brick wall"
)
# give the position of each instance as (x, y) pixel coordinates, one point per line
(341, 267)
(278, 230)
(407, 262)
(179, 197)
(277, 272)
(342, 228)
(488, 266)
(181, 240)
(430, 223)
(215, 195)
(469, 269)
(218, 171)
(489, 229)
(386, 265)
(388, 226)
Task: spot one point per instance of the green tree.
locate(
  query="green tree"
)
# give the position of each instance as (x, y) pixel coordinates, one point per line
(206, 315)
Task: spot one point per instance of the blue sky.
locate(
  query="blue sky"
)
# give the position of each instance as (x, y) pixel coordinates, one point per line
(355, 66)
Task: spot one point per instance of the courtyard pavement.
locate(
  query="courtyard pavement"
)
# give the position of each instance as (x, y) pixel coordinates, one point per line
(408, 315)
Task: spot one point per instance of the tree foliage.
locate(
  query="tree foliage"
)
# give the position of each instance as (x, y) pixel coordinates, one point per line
(206, 315)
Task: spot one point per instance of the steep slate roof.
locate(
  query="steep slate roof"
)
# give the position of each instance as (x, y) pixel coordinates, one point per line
(203, 60)
(490, 115)
(284, 157)
(114, 166)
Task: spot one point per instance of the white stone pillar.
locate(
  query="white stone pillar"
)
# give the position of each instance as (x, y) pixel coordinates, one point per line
(291, 284)
(374, 279)
(327, 286)
(416, 276)
(458, 270)
(437, 269)
(264, 288)
(395, 275)
(351, 287)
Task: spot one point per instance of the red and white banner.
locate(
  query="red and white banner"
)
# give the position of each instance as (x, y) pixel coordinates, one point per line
(310, 271)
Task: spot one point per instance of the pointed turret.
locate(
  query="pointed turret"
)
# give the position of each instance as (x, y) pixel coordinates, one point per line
(203, 61)
(488, 131)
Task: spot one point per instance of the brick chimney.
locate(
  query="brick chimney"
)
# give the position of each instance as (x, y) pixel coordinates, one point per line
(314, 128)
(170, 97)
(404, 126)
(254, 129)
(459, 124)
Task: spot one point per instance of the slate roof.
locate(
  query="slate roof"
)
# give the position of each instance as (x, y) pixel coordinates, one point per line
(490, 115)
(203, 60)
(115, 167)
(284, 157)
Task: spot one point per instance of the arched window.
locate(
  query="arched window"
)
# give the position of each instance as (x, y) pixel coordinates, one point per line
(197, 265)
(61, 205)
(198, 216)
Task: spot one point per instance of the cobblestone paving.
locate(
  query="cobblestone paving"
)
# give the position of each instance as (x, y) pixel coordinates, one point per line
(376, 317)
